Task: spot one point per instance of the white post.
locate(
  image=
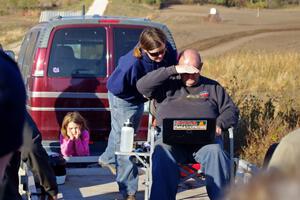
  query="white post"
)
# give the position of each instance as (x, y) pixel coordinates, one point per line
(231, 144)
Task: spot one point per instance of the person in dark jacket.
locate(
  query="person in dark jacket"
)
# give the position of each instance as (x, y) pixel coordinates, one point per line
(37, 159)
(152, 52)
(181, 92)
(35, 156)
(12, 111)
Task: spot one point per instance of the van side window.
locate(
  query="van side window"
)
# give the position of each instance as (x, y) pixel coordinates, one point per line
(27, 55)
(125, 39)
(78, 52)
(22, 53)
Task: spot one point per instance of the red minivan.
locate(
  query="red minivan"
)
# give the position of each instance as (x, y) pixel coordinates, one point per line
(66, 62)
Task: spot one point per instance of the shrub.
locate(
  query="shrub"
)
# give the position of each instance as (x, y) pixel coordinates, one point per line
(265, 90)
(274, 3)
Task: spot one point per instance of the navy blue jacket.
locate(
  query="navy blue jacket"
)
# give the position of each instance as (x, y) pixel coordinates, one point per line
(122, 82)
(12, 105)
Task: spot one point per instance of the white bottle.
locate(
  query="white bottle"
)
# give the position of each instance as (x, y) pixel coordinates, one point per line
(127, 136)
(239, 175)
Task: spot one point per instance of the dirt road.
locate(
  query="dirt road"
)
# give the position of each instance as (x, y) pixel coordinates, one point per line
(239, 28)
(270, 41)
(97, 8)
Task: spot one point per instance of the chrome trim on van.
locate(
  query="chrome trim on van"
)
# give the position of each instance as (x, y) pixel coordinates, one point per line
(146, 112)
(65, 109)
(86, 95)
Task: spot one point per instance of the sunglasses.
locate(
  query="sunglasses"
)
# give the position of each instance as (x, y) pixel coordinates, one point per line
(156, 54)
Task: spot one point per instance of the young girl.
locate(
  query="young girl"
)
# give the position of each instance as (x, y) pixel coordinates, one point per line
(74, 138)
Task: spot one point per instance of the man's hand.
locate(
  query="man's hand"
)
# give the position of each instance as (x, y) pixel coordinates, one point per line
(186, 69)
(218, 131)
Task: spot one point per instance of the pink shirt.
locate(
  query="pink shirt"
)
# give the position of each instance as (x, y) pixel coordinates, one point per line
(78, 147)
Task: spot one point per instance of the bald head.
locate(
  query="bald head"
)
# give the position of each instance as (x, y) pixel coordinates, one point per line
(190, 57)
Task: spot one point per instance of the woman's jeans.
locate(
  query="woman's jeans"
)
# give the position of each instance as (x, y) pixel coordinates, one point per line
(127, 172)
(166, 174)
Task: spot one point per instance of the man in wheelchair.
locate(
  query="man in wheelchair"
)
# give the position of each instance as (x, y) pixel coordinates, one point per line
(181, 92)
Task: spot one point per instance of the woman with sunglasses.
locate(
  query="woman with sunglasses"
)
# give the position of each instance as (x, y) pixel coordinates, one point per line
(153, 51)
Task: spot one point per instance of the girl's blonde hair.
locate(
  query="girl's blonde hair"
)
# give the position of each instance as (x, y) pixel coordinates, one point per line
(73, 117)
(151, 38)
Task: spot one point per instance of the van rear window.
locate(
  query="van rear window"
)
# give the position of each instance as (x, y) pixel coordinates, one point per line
(125, 39)
(78, 52)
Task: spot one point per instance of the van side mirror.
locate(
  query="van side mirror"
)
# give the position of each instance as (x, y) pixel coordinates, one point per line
(11, 54)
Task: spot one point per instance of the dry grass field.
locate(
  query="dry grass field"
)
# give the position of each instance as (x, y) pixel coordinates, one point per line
(14, 26)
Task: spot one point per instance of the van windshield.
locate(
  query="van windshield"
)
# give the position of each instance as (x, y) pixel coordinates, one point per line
(78, 52)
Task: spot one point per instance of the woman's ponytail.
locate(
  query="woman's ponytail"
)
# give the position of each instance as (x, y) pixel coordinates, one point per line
(137, 52)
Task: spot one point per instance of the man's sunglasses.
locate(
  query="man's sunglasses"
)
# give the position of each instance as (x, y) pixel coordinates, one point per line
(156, 54)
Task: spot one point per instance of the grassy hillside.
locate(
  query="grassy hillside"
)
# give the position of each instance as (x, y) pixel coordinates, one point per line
(15, 22)
(11, 6)
(126, 8)
(14, 26)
